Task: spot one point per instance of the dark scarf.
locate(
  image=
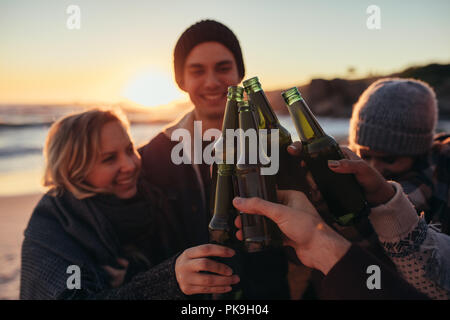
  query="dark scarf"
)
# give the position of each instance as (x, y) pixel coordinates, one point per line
(133, 224)
(105, 226)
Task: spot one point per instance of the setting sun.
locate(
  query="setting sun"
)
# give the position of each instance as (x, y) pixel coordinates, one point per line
(152, 87)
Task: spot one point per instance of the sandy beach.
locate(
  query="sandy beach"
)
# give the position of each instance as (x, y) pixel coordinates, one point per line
(15, 212)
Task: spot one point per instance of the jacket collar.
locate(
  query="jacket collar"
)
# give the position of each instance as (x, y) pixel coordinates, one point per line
(186, 121)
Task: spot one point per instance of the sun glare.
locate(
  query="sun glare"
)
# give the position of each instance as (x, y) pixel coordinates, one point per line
(151, 88)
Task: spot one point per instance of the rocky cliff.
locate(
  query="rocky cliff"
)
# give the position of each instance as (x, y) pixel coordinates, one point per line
(336, 97)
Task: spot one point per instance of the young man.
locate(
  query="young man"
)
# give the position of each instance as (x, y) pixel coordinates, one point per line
(393, 128)
(207, 60)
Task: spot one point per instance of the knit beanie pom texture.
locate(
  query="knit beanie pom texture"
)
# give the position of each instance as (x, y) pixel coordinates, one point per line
(395, 116)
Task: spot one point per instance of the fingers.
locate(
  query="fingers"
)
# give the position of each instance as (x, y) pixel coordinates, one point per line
(116, 275)
(350, 154)
(238, 222)
(197, 274)
(255, 205)
(203, 289)
(279, 213)
(208, 265)
(111, 271)
(122, 262)
(376, 189)
(212, 280)
(196, 283)
(209, 250)
(288, 197)
(347, 166)
(295, 149)
(239, 235)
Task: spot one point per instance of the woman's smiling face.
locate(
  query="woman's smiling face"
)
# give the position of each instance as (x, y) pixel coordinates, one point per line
(117, 167)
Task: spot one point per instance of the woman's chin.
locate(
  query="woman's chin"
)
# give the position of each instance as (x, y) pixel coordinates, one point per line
(126, 194)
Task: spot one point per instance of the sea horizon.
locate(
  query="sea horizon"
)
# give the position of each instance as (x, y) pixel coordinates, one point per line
(22, 162)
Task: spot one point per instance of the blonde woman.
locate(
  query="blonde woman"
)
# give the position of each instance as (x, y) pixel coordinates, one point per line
(102, 233)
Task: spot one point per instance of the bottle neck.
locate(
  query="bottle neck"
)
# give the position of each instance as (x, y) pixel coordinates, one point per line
(246, 122)
(308, 128)
(246, 119)
(268, 118)
(222, 146)
(230, 118)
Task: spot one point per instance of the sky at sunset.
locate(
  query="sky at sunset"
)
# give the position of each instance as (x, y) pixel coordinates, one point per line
(123, 50)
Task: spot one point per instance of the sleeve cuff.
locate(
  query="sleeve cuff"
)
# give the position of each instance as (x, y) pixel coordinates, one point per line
(159, 283)
(394, 219)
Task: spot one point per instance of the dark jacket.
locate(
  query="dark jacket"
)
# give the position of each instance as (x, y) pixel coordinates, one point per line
(64, 231)
(188, 187)
(349, 278)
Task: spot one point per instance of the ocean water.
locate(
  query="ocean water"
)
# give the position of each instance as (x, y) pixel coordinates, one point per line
(21, 160)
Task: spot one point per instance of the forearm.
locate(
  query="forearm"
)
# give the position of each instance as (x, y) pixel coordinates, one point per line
(158, 283)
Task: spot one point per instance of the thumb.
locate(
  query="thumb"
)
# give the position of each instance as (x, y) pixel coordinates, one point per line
(123, 262)
(349, 154)
(295, 149)
(346, 166)
(111, 271)
(256, 205)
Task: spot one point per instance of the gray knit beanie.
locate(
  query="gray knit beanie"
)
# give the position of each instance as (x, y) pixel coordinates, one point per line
(396, 116)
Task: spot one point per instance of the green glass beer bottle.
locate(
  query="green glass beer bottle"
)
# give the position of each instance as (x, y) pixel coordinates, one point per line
(259, 232)
(224, 213)
(341, 192)
(290, 174)
(221, 227)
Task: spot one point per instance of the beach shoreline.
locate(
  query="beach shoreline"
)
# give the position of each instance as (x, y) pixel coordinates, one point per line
(15, 212)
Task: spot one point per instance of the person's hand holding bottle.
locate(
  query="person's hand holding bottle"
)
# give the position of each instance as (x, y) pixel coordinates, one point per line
(316, 244)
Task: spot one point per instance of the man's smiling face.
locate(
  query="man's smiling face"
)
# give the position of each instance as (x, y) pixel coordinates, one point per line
(209, 70)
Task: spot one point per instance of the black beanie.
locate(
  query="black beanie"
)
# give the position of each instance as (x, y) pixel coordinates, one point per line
(204, 31)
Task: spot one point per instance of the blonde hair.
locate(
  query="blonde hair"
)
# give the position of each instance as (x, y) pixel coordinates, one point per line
(71, 150)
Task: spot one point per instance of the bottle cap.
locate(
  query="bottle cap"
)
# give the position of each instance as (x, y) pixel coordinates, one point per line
(252, 85)
(235, 93)
(291, 95)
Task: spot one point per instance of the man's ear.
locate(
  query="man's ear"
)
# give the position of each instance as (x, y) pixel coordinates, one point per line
(181, 85)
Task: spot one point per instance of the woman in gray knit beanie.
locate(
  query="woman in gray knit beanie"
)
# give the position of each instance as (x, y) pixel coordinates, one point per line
(393, 122)
(393, 128)
(396, 116)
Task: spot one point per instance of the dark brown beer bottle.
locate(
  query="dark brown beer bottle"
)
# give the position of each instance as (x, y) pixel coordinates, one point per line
(290, 174)
(259, 232)
(342, 193)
